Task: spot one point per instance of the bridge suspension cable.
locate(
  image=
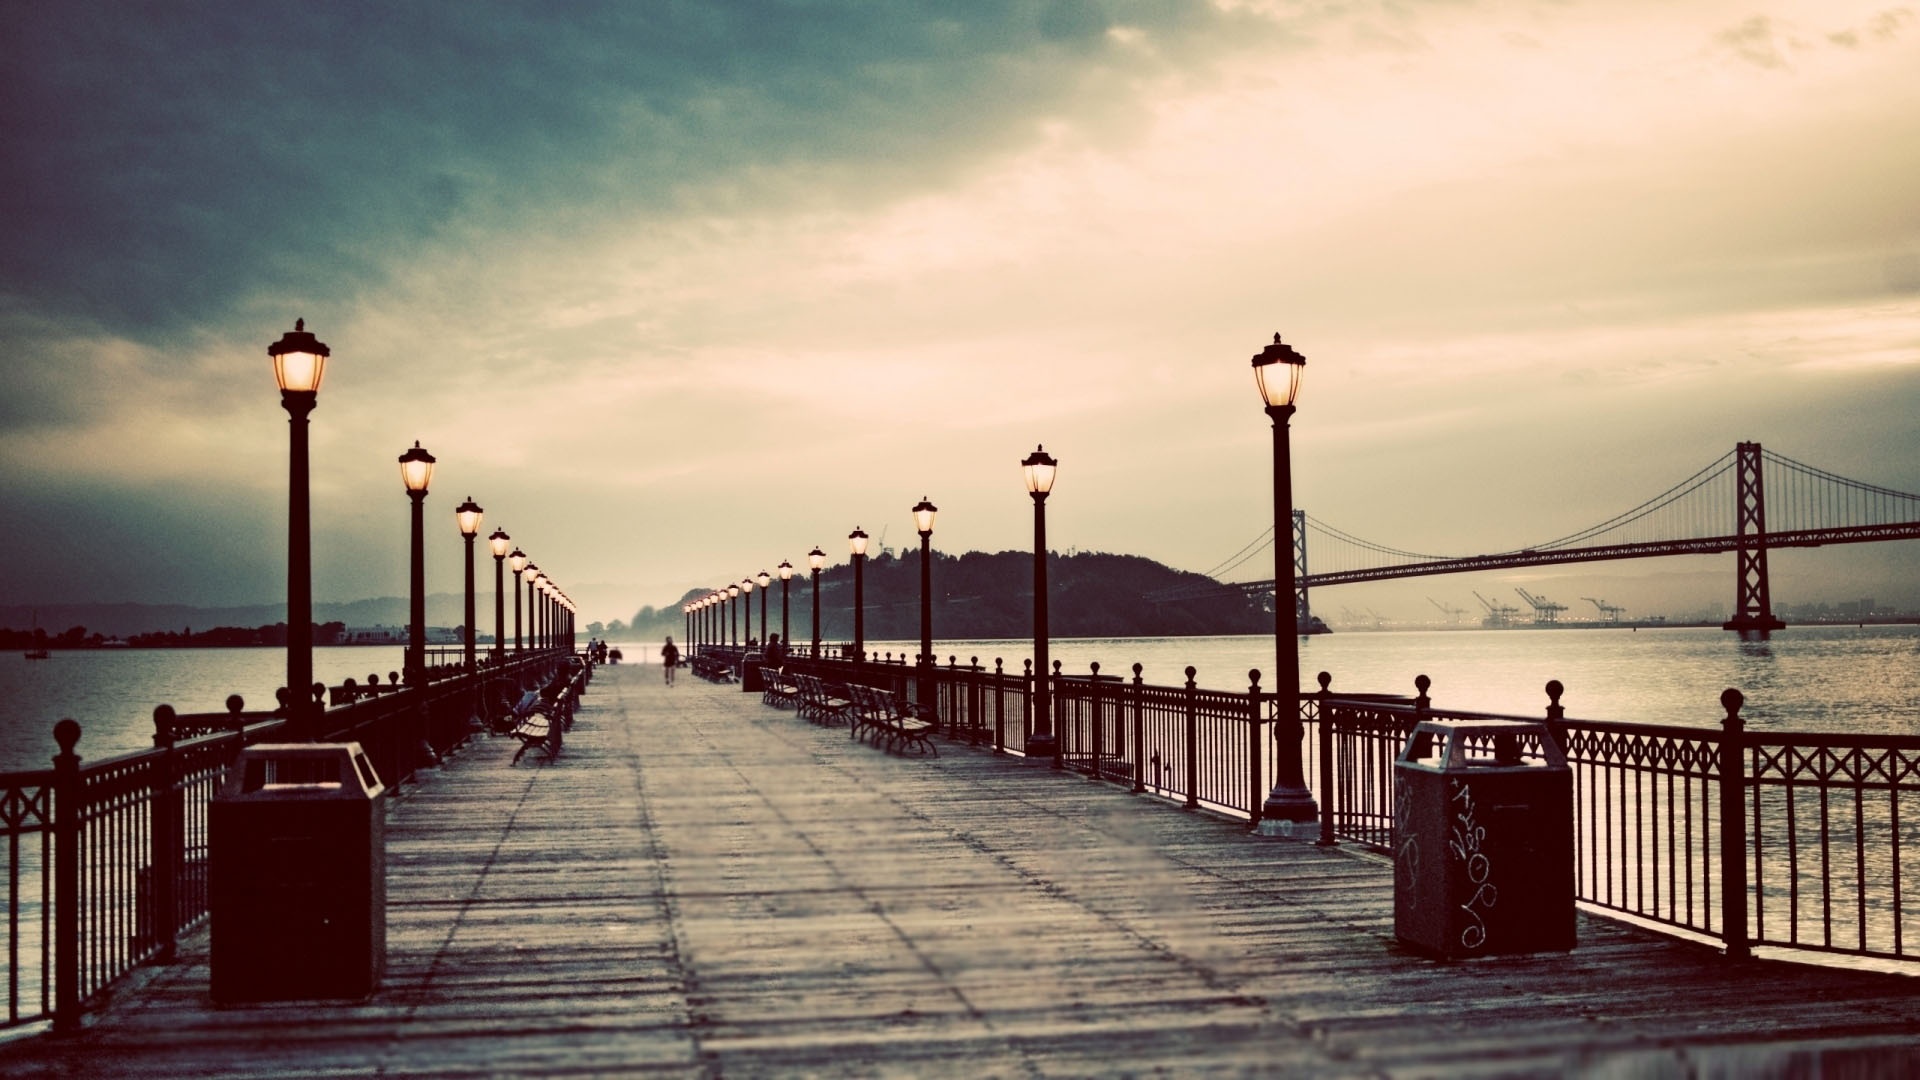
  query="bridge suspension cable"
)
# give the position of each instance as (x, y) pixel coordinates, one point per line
(1804, 505)
(1802, 497)
(1700, 505)
(1253, 547)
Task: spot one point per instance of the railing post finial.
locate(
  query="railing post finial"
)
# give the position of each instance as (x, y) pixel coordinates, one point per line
(1421, 701)
(163, 725)
(1731, 700)
(1556, 714)
(1733, 828)
(67, 808)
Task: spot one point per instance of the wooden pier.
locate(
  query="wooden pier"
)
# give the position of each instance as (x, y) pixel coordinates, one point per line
(703, 886)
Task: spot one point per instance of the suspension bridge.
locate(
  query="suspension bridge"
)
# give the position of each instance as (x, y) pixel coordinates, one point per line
(1748, 501)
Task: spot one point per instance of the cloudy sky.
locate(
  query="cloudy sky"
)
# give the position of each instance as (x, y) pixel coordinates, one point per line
(677, 290)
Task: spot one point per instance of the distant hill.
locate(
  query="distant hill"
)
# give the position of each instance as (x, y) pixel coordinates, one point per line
(976, 595)
(981, 595)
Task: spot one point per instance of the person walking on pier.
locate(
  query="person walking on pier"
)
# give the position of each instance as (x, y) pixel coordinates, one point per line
(669, 658)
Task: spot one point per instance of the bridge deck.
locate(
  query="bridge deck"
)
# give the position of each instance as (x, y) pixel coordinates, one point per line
(702, 886)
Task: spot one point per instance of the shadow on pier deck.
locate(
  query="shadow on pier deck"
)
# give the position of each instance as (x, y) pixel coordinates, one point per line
(702, 886)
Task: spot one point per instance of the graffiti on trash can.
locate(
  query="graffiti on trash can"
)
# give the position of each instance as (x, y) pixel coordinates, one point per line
(1406, 852)
(1467, 845)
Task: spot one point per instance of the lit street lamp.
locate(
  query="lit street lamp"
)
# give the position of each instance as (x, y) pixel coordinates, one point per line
(786, 582)
(923, 512)
(763, 580)
(543, 621)
(1039, 469)
(1276, 371)
(746, 589)
(468, 515)
(815, 560)
(857, 543)
(299, 361)
(416, 471)
(733, 615)
(530, 574)
(498, 543)
(517, 563)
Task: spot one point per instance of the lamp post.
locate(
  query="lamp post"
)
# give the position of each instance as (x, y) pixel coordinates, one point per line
(1276, 372)
(516, 563)
(416, 472)
(923, 512)
(468, 515)
(786, 583)
(857, 543)
(497, 543)
(299, 361)
(763, 580)
(733, 615)
(1039, 469)
(543, 621)
(815, 560)
(530, 574)
(746, 590)
(542, 624)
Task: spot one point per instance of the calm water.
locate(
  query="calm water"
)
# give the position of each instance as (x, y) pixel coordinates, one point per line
(1819, 679)
(1805, 679)
(112, 692)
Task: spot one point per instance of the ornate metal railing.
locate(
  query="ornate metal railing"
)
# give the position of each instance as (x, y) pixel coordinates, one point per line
(1178, 742)
(1795, 840)
(1809, 847)
(106, 862)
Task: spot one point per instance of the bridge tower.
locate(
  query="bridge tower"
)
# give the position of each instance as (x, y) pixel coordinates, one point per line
(1753, 604)
(1302, 614)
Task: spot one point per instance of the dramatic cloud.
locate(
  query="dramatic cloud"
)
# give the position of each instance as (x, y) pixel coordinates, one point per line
(679, 290)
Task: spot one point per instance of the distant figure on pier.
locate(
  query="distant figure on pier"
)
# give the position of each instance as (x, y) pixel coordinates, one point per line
(669, 658)
(776, 652)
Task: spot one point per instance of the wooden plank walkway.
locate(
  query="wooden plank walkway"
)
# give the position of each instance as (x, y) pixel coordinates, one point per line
(702, 886)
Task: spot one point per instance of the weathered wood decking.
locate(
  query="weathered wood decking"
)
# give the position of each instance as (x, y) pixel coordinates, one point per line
(703, 886)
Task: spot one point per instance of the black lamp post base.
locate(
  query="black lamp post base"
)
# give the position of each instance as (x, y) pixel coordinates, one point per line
(1290, 813)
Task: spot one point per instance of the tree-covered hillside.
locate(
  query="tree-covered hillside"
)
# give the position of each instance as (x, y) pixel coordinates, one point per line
(980, 595)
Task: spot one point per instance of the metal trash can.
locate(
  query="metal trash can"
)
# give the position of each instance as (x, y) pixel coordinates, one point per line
(750, 680)
(298, 905)
(1483, 840)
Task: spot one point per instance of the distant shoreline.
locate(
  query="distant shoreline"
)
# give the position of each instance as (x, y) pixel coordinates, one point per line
(1705, 624)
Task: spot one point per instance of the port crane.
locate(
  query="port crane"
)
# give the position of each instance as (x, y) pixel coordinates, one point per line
(1545, 611)
(1498, 615)
(1452, 613)
(1611, 612)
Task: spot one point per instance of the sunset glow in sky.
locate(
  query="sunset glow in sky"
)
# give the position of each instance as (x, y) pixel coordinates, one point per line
(676, 291)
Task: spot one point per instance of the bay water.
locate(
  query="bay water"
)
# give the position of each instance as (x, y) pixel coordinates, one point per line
(1828, 678)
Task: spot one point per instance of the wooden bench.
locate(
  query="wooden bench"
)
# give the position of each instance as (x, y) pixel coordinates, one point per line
(889, 720)
(533, 726)
(778, 688)
(541, 717)
(822, 702)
